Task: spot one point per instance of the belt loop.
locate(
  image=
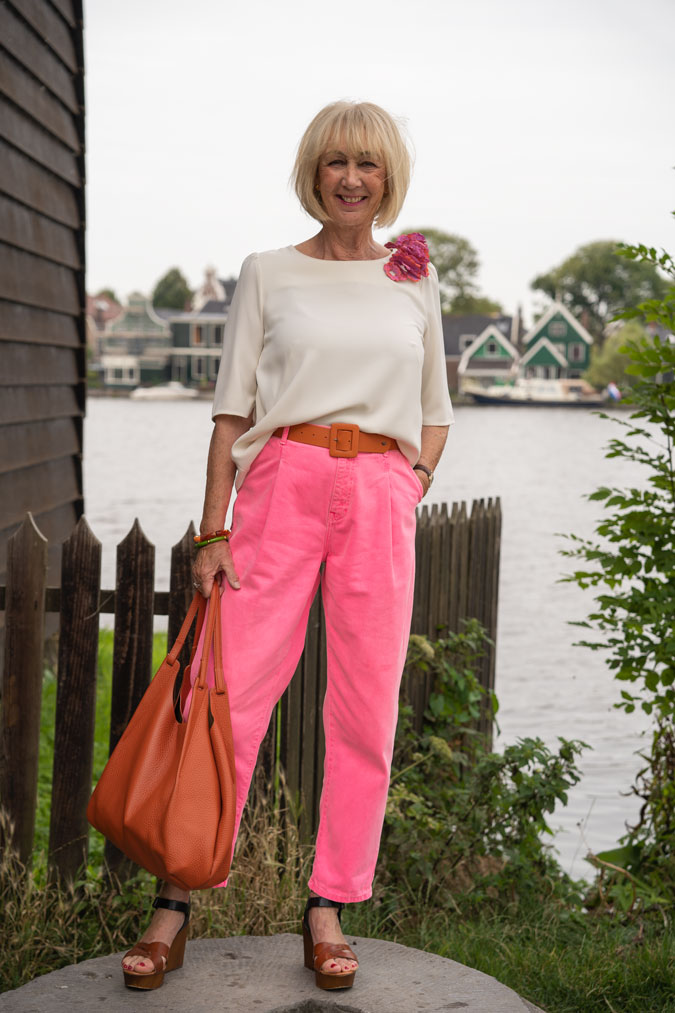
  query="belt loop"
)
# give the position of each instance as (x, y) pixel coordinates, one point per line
(284, 435)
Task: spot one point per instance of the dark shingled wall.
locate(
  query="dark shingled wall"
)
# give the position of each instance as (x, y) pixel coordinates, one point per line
(42, 288)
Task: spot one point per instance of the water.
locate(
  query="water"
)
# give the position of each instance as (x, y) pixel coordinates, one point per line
(148, 461)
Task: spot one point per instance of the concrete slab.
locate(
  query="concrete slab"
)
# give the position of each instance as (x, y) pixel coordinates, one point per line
(265, 974)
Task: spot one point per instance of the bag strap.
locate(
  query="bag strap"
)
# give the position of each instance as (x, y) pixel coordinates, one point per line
(197, 605)
(213, 642)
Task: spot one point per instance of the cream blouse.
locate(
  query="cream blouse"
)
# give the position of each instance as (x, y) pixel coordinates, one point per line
(327, 341)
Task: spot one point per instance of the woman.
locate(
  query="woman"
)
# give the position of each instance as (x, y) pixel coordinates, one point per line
(331, 412)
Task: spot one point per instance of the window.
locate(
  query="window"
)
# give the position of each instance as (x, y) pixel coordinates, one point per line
(492, 347)
(557, 329)
(198, 367)
(218, 334)
(465, 340)
(576, 352)
(213, 368)
(197, 338)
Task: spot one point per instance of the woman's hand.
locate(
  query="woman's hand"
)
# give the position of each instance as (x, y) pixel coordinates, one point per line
(212, 560)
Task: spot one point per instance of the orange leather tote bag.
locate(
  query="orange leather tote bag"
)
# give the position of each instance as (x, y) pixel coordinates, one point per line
(166, 797)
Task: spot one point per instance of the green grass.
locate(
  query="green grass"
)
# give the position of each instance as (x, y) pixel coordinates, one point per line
(562, 961)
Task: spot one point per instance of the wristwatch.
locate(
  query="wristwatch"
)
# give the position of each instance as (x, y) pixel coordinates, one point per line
(427, 471)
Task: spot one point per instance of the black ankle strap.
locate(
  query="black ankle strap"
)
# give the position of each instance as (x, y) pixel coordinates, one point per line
(173, 905)
(324, 902)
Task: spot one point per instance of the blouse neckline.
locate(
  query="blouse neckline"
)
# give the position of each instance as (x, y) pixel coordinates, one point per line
(320, 260)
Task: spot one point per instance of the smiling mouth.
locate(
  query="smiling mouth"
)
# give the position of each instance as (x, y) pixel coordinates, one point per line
(350, 200)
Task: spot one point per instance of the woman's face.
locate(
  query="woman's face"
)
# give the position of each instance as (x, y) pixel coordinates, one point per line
(351, 186)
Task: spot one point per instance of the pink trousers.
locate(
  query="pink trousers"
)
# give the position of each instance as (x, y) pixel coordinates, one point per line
(298, 508)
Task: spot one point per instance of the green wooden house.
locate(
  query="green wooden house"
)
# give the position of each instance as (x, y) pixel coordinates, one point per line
(490, 359)
(556, 347)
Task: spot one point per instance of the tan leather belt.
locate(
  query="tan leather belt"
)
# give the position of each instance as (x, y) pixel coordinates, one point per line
(343, 439)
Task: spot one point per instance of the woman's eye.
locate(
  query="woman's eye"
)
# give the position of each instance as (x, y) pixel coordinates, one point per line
(337, 161)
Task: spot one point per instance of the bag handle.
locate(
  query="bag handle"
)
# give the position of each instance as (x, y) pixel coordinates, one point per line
(197, 605)
(213, 640)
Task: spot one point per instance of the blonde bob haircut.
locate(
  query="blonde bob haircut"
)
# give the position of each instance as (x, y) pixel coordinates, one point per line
(356, 128)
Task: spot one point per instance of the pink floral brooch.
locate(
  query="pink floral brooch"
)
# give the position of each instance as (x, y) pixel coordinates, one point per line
(411, 260)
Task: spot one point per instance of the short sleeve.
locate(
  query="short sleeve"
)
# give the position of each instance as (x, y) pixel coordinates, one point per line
(236, 386)
(436, 405)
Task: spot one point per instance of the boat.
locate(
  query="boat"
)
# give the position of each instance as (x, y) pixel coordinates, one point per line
(172, 391)
(535, 393)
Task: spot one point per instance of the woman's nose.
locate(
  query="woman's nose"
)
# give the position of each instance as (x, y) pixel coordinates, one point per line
(351, 176)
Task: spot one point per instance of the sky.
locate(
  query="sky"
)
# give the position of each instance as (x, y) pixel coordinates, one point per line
(537, 126)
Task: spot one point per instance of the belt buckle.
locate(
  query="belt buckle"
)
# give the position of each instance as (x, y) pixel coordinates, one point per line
(343, 440)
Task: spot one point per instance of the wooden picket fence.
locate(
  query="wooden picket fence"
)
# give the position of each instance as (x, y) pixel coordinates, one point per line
(457, 577)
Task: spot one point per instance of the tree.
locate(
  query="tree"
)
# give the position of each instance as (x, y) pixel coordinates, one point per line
(633, 568)
(457, 263)
(107, 293)
(595, 284)
(172, 291)
(609, 362)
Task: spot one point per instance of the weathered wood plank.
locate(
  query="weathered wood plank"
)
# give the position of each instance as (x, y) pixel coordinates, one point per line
(34, 443)
(26, 47)
(462, 569)
(33, 233)
(22, 683)
(26, 365)
(75, 702)
(311, 711)
(291, 720)
(32, 97)
(37, 327)
(40, 486)
(132, 645)
(433, 602)
(35, 142)
(181, 591)
(29, 404)
(55, 525)
(320, 730)
(443, 563)
(68, 11)
(50, 27)
(33, 281)
(25, 180)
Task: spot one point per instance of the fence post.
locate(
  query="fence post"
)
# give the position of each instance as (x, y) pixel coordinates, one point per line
(132, 646)
(181, 591)
(422, 564)
(311, 763)
(75, 702)
(22, 690)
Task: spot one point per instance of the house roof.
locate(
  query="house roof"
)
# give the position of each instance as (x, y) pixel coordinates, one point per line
(491, 331)
(473, 324)
(544, 344)
(554, 308)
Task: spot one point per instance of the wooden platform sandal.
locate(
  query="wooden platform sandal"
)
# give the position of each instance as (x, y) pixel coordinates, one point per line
(164, 958)
(316, 954)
